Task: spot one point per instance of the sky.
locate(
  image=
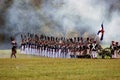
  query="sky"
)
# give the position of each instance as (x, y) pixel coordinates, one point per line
(59, 18)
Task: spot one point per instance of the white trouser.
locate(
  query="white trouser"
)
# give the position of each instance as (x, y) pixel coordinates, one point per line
(94, 54)
(115, 54)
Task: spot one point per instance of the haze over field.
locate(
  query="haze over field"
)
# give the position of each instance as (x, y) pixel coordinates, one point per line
(59, 18)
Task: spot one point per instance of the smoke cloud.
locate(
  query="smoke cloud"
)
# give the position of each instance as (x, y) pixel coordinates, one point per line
(59, 18)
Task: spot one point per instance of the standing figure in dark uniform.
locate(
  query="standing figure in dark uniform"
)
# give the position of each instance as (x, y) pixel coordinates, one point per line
(112, 49)
(14, 47)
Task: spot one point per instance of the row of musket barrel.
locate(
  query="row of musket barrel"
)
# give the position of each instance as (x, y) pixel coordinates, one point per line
(58, 47)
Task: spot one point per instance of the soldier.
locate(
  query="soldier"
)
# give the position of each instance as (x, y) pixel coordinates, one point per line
(48, 50)
(22, 47)
(14, 47)
(56, 50)
(81, 49)
(90, 46)
(94, 49)
(112, 48)
(27, 46)
(62, 51)
(66, 50)
(72, 51)
(77, 52)
(117, 49)
(59, 50)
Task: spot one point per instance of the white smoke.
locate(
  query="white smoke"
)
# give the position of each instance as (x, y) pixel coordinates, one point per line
(63, 17)
(112, 28)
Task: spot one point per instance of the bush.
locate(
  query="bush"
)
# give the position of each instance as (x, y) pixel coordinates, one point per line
(105, 52)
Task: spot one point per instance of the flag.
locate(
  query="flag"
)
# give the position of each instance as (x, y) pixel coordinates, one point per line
(101, 31)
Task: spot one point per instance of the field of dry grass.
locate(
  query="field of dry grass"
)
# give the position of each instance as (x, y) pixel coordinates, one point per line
(28, 67)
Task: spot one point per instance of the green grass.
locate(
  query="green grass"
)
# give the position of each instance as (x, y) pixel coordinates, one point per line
(28, 67)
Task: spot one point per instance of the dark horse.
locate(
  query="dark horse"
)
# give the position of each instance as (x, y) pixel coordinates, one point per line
(14, 47)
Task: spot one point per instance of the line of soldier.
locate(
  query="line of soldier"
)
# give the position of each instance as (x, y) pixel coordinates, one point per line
(58, 47)
(115, 49)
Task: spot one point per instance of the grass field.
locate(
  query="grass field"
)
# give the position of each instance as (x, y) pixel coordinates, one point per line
(28, 67)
